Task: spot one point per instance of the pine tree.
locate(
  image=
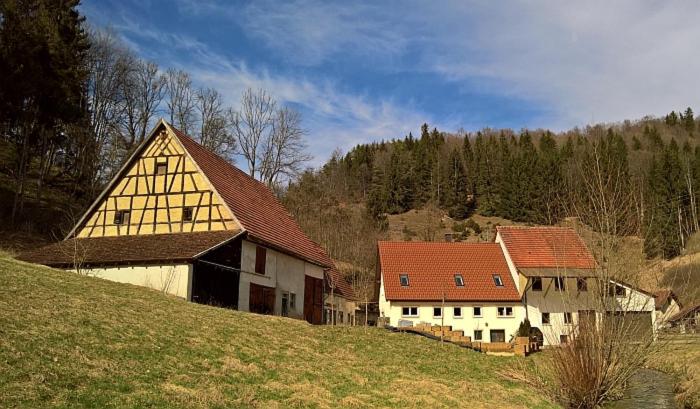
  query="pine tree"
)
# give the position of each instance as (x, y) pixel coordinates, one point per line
(689, 121)
(456, 194)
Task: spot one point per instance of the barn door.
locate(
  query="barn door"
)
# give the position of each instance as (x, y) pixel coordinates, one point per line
(313, 300)
(262, 299)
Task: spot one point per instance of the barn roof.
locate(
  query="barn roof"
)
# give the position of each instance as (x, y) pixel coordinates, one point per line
(170, 247)
(340, 286)
(546, 247)
(431, 270)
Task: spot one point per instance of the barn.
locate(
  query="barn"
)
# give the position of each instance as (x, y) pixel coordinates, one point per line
(180, 219)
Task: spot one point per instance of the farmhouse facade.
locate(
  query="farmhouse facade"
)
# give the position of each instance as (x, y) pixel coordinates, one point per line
(182, 220)
(546, 275)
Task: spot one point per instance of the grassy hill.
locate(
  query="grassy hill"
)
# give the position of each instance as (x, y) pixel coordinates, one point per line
(73, 341)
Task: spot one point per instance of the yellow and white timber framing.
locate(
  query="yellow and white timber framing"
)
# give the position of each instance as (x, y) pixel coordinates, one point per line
(156, 200)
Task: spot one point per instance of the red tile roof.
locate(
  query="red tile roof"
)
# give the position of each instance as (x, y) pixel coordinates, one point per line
(127, 249)
(254, 205)
(341, 286)
(431, 268)
(546, 247)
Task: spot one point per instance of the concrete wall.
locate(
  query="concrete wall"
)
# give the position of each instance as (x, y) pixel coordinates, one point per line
(283, 272)
(339, 306)
(175, 279)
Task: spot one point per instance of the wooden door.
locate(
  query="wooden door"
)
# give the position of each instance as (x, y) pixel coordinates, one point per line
(313, 300)
(262, 299)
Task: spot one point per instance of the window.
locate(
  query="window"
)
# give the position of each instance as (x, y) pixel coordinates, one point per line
(457, 312)
(437, 312)
(498, 280)
(260, 256)
(459, 280)
(187, 213)
(285, 304)
(122, 217)
(404, 280)
(536, 283)
(582, 284)
(505, 311)
(563, 339)
(617, 290)
(161, 168)
(409, 311)
(292, 301)
(559, 283)
(340, 317)
(545, 318)
(477, 311)
(477, 335)
(567, 318)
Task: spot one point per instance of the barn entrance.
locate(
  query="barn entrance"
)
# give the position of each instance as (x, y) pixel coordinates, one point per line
(262, 299)
(313, 300)
(214, 284)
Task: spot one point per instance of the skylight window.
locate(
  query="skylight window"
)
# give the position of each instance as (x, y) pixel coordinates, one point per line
(498, 280)
(404, 280)
(459, 280)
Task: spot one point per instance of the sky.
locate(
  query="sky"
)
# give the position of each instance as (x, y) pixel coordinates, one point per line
(376, 70)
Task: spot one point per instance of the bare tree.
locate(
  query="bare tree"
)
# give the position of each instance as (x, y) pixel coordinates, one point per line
(283, 151)
(252, 124)
(180, 100)
(214, 127)
(144, 89)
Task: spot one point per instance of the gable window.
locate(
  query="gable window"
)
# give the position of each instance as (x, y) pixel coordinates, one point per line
(403, 278)
(409, 311)
(567, 318)
(559, 284)
(187, 213)
(536, 283)
(498, 280)
(457, 312)
(477, 311)
(459, 280)
(122, 217)
(563, 339)
(161, 168)
(545, 318)
(260, 258)
(505, 311)
(477, 335)
(582, 284)
(437, 312)
(292, 301)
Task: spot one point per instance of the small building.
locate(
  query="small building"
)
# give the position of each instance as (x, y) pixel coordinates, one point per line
(464, 285)
(687, 320)
(180, 219)
(666, 305)
(340, 302)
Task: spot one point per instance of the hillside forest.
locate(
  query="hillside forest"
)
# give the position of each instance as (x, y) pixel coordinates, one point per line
(81, 101)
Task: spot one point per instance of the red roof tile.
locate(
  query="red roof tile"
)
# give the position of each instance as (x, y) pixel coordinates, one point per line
(546, 247)
(431, 268)
(341, 286)
(254, 205)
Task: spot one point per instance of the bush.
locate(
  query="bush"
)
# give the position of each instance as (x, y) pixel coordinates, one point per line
(524, 328)
(470, 223)
(458, 227)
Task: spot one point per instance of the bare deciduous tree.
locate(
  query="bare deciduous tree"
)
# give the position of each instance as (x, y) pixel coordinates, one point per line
(144, 90)
(283, 151)
(252, 124)
(181, 100)
(214, 130)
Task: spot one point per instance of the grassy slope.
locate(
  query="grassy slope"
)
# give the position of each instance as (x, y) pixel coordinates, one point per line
(72, 341)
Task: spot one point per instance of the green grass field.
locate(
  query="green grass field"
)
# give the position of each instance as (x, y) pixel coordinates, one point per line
(73, 341)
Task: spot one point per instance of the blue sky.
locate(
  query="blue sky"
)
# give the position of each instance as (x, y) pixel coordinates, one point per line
(364, 71)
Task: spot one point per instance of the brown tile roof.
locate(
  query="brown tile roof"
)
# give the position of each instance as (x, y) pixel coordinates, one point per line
(254, 205)
(549, 247)
(431, 268)
(340, 285)
(127, 249)
(687, 312)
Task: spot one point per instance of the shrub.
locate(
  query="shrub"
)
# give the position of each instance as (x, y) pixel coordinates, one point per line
(470, 223)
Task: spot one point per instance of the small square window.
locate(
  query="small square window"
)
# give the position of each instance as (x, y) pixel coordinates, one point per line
(563, 339)
(567, 318)
(582, 284)
(620, 290)
(559, 284)
(478, 334)
(505, 311)
(122, 217)
(161, 168)
(404, 280)
(459, 280)
(187, 213)
(457, 312)
(536, 283)
(545, 318)
(409, 311)
(477, 311)
(498, 280)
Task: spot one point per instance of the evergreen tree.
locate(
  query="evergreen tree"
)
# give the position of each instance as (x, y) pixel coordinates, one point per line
(456, 194)
(689, 121)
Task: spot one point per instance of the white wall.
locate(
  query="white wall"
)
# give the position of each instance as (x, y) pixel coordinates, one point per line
(283, 272)
(175, 279)
(339, 305)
